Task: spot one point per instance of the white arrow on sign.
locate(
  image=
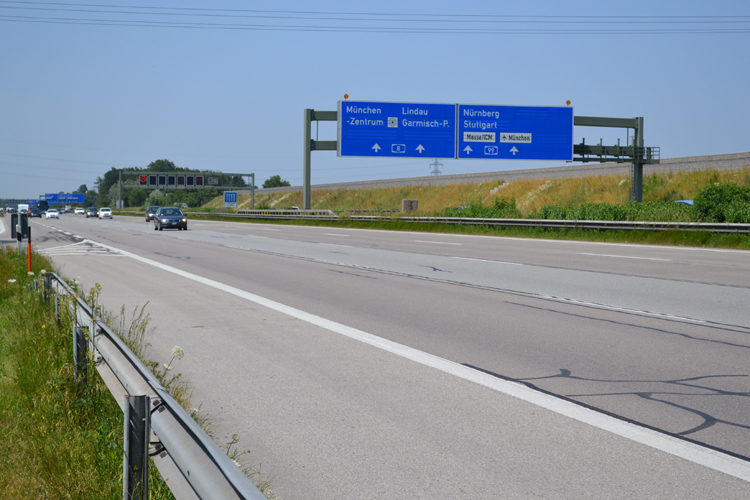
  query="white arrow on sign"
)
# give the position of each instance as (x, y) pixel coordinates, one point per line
(420, 148)
(468, 149)
(376, 147)
(513, 150)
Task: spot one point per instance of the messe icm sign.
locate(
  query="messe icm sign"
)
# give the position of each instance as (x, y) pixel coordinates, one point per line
(394, 129)
(490, 132)
(230, 199)
(63, 198)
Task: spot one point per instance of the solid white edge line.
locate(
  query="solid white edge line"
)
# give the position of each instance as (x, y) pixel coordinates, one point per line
(2, 226)
(684, 449)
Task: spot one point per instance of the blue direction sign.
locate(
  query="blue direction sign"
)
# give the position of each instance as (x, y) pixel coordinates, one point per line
(405, 130)
(515, 132)
(63, 198)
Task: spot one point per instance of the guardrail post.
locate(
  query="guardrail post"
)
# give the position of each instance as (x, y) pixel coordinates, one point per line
(135, 448)
(47, 287)
(80, 354)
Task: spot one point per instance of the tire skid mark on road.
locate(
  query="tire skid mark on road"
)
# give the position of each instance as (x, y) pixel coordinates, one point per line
(673, 445)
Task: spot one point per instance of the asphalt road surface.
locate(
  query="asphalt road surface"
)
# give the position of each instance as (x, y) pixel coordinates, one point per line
(371, 364)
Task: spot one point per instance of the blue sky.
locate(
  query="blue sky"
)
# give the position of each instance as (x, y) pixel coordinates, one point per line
(78, 99)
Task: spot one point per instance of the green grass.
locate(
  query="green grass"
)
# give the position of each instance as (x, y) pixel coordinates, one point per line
(61, 438)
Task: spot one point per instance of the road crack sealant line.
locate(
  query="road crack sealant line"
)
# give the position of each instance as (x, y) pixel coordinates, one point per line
(668, 443)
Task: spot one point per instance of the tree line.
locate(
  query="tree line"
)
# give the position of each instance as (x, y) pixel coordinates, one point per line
(106, 188)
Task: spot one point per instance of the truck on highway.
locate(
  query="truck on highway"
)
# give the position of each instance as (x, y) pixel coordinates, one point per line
(23, 208)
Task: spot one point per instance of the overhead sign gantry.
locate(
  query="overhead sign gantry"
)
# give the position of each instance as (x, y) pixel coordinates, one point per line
(471, 131)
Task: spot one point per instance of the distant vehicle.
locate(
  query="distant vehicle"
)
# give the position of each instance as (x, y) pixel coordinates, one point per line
(91, 212)
(150, 211)
(105, 213)
(169, 217)
(52, 213)
(79, 211)
(685, 202)
(184, 205)
(23, 208)
(35, 212)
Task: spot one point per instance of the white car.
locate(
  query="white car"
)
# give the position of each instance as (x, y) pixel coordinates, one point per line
(105, 213)
(80, 211)
(52, 213)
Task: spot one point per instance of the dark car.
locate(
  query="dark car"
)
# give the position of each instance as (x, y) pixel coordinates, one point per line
(35, 212)
(150, 211)
(91, 212)
(169, 218)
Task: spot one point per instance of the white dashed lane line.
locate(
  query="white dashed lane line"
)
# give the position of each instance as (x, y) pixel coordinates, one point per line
(625, 257)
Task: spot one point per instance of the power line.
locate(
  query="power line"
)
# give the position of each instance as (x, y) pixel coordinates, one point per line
(649, 24)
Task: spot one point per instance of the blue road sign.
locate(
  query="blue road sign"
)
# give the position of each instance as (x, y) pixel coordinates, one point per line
(392, 129)
(63, 198)
(515, 132)
(230, 199)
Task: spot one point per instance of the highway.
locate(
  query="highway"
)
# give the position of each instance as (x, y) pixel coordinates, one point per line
(371, 364)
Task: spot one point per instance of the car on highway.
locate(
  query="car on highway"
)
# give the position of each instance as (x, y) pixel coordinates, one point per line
(35, 212)
(91, 212)
(79, 211)
(150, 211)
(169, 218)
(105, 213)
(52, 213)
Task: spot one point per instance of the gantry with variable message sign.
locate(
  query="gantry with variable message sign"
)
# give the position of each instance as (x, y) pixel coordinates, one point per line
(491, 132)
(405, 130)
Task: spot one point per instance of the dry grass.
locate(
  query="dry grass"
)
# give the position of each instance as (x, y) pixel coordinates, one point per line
(530, 194)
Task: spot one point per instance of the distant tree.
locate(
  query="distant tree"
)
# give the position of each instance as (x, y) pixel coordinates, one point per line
(81, 189)
(163, 166)
(275, 181)
(136, 197)
(90, 198)
(238, 181)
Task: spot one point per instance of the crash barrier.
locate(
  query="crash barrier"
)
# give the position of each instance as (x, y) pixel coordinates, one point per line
(714, 227)
(155, 424)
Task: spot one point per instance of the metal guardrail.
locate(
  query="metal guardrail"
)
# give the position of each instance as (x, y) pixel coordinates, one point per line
(202, 470)
(714, 227)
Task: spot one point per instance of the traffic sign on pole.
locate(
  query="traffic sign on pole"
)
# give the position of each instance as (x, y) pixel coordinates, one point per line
(490, 132)
(391, 129)
(230, 199)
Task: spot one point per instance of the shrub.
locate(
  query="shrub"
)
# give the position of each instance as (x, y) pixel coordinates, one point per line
(724, 203)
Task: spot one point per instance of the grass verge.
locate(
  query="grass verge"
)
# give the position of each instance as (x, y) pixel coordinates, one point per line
(60, 437)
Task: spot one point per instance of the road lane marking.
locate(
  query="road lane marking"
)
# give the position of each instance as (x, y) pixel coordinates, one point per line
(334, 234)
(625, 257)
(687, 450)
(436, 242)
(490, 261)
